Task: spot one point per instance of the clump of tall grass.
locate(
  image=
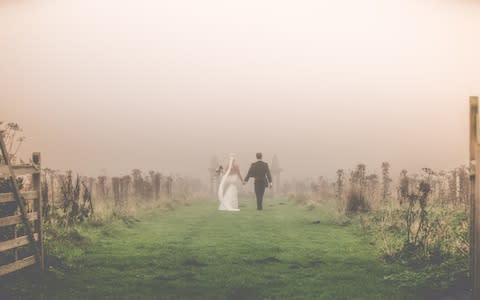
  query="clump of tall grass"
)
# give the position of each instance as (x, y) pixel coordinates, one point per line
(424, 236)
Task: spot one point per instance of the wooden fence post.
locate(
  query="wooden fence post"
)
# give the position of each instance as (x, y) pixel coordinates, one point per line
(52, 187)
(156, 184)
(125, 182)
(37, 187)
(474, 199)
(116, 191)
(276, 170)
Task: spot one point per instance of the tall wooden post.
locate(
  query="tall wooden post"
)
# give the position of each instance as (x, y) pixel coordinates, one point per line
(116, 192)
(276, 170)
(157, 183)
(214, 175)
(52, 188)
(474, 198)
(37, 186)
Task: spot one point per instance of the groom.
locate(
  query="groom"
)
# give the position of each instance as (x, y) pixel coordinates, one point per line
(260, 171)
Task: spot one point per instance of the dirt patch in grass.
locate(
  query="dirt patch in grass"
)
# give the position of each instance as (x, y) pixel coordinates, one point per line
(192, 262)
(296, 265)
(267, 260)
(315, 263)
(310, 264)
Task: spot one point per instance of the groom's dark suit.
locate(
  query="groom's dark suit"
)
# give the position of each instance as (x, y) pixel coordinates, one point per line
(260, 171)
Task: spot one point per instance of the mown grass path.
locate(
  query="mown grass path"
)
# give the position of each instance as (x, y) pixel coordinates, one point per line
(197, 252)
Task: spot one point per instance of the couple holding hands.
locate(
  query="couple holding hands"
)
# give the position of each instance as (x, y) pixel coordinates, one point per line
(228, 192)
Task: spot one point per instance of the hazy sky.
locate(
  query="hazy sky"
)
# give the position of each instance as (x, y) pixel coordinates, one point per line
(152, 84)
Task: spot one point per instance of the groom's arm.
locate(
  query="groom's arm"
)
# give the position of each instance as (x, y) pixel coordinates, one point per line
(249, 174)
(269, 175)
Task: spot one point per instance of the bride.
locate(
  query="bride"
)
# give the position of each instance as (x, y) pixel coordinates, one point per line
(227, 191)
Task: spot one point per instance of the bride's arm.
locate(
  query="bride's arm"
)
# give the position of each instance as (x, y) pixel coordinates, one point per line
(240, 175)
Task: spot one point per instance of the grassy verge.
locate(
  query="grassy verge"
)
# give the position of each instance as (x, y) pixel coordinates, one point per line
(197, 252)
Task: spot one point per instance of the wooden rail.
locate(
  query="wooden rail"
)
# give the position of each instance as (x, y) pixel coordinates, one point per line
(15, 243)
(9, 197)
(31, 220)
(17, 265)
(20, 170)
(17, 219)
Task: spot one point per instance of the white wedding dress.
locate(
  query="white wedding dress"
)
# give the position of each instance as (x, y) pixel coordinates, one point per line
(228, 191)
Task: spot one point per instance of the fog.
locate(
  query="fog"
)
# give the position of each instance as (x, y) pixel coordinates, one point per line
(164, 85)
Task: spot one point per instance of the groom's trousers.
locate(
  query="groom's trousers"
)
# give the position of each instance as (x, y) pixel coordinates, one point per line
(259, 192)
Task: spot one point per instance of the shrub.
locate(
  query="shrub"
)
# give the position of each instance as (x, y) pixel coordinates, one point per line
(356, 202)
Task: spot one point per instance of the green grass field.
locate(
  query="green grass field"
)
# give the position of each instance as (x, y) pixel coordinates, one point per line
(197, 252)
